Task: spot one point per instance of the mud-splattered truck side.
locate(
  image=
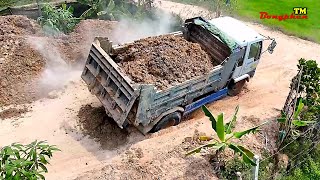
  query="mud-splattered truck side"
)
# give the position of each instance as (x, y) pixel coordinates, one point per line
(232, 44)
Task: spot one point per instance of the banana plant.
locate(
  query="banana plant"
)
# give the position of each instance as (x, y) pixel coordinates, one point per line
(100, 9)
(225, 135)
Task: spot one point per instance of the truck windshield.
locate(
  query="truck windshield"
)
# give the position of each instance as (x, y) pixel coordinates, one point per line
(255, 50)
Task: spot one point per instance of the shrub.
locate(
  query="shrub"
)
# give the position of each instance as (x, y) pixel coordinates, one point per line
(56, 20)
(29, 161)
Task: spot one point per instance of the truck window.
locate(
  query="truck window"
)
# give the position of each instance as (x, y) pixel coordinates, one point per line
(240, 61)
(255, 50)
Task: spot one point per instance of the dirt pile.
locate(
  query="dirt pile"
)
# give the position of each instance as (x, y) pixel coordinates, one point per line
(97, 125)
(13, 113)
(19, 64)
(17, 25)
(77, 44)
(164, 61)
(171, 163)
(25, 52)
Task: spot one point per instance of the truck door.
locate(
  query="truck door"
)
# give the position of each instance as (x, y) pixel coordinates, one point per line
(252, 57)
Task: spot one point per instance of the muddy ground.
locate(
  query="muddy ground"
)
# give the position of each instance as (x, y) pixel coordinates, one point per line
(164, 61)
(61, 119)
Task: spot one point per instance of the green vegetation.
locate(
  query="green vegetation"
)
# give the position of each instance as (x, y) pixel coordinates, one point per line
(298, 154)
(9, 3)
(302, 147)
(304, 28)
(119, 9)
(250, 10)
(237, 165)
(225, 135)
(296, 122)
(116, 9)
(55, 20)
(310, 85)
(307, 166)
(29, 161)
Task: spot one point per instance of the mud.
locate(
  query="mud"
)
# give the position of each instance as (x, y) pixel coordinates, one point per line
(97, 125)
(164, 61)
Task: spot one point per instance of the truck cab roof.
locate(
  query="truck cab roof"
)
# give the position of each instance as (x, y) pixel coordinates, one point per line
(238, 31)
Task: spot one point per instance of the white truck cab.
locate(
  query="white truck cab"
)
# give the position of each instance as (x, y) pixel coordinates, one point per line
(248, 39)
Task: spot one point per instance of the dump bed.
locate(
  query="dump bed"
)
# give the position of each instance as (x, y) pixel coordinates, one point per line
(142, 104)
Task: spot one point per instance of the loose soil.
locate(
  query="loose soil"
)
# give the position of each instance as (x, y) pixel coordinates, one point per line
(164, 61)
(158, 155)
(27, 56)
(19, 64)
(97, 125)
(13, 113)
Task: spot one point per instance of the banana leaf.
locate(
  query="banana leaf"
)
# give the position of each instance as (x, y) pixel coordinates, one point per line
(215, 145)
(246, 154)
(251, 130)
(220, 128)
(230, 124)
(211, 118)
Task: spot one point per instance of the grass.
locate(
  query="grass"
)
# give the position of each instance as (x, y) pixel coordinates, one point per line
(10, 3)
(304, 28)
(249, 10)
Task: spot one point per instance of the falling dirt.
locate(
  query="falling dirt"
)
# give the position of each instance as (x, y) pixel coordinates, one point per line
(164, 61)
(97, 125)
(13, 113)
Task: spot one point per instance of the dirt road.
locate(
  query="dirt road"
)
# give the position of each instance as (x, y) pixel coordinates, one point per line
(130, 155)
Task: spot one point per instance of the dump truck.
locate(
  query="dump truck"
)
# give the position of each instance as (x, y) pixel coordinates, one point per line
(236, 47)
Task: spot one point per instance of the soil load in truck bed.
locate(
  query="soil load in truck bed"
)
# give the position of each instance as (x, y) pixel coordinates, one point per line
(164, 61)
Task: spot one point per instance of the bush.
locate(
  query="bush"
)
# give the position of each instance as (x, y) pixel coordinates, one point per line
(29, 161)
(56, 20)
(234, 165)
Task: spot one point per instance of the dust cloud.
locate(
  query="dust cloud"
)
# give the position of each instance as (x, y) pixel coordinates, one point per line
(57, 72)
(129, 29)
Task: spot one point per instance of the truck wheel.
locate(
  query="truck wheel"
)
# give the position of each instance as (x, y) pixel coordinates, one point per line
(235, 88)
(167, 121)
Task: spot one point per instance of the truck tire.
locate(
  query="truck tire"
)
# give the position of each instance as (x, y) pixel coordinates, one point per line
(235, 88)
(172, 119)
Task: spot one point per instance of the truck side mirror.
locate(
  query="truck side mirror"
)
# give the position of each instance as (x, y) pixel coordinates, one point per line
(272, 46)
